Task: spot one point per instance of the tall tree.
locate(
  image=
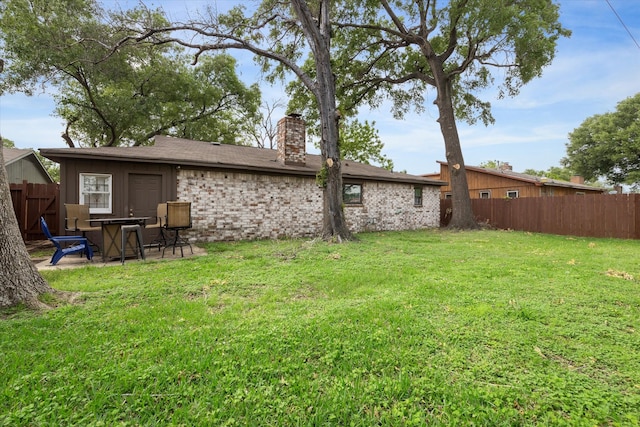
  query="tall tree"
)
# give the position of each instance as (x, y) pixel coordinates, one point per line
(398, 49)
(7, 143)
(317, 30)
(359, 141)
(124, 97)
(165, 96)
(20, 281)
(608, 145)
(277, 31)
(554, 172)
(265, 130)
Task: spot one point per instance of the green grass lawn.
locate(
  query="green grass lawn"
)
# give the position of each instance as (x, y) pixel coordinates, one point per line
(411, 328)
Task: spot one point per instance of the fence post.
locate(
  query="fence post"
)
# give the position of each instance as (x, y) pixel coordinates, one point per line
(635, 234)
(23, 221)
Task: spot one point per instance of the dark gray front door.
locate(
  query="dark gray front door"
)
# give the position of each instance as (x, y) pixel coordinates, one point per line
(145, 192)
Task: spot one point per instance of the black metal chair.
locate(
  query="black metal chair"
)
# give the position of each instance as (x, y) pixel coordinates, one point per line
(178, 218)
(161, 219)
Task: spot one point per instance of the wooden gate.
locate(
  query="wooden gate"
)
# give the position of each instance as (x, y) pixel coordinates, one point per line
(30, 201)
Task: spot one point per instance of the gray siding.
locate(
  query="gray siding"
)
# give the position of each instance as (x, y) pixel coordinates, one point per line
(27, 169)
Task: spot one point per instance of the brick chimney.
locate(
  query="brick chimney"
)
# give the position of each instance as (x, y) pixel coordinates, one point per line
(291, 140)
(577, 179)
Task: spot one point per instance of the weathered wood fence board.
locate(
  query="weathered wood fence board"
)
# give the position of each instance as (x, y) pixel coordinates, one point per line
(30, 201)
(590, 215)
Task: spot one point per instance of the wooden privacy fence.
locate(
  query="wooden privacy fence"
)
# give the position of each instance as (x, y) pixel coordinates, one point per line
(30, 201)
(589, 215)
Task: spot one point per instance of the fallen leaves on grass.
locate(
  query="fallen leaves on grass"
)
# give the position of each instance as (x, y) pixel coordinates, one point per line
(619, 274)
(537, 350)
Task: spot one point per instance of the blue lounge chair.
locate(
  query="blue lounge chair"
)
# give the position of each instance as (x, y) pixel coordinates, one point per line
(66, 245)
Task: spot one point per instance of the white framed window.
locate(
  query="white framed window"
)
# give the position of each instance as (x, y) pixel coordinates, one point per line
(352, 194)
(96, 191)
(513, 194)
(485, 194)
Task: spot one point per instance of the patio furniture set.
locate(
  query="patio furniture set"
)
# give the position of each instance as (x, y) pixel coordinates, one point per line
(121, 237)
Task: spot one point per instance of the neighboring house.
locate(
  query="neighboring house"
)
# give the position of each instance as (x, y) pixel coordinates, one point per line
(240, 192)
(485, 183)
(23, 165)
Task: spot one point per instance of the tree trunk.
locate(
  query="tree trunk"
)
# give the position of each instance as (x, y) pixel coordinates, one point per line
(462, 212)
(334, 225)
(20, 281)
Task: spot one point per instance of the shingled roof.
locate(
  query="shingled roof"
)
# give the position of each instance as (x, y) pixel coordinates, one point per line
(14, 154)
(200, 154)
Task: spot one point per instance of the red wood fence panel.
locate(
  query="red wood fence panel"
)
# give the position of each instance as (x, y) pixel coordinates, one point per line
(589, 215)
(30, 201)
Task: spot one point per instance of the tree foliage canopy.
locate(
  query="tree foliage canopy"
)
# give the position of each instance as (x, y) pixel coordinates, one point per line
(554, 172)
(360, 141)
(7, 143)
(608, 145)
(123, 96)
(396, 49)
(365, 52)
(400, 48)
(276, 33)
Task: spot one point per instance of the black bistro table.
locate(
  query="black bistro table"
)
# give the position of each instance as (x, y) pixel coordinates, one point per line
(112, 235)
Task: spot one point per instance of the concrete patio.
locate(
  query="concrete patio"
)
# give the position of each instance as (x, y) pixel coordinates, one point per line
(76, 261)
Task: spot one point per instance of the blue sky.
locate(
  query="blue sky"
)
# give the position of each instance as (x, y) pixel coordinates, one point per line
(593, 70)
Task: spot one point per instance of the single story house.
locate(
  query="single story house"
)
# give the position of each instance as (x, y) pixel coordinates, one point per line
(241, 192)
(486, 183)
(23, 165)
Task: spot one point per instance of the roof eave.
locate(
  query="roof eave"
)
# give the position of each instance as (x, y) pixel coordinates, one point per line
(571, 185)
(399, 179)
(281, 170)
(537, 183)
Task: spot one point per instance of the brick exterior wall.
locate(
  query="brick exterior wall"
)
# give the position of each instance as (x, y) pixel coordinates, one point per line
(388, 206)
(243, 206)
